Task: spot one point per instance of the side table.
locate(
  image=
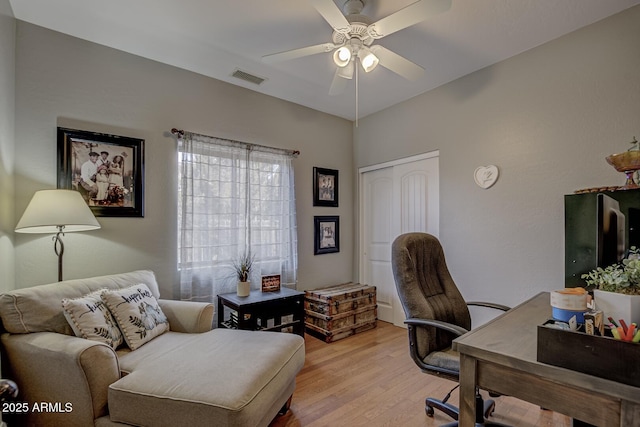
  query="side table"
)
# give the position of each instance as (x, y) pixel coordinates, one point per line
(280, 311)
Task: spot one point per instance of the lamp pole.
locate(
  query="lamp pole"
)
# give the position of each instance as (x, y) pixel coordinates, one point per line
(58, 247)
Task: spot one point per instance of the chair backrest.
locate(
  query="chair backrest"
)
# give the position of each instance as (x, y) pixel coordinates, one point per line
(426, 289)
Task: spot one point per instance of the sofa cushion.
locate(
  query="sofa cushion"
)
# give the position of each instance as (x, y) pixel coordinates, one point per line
(37, 309)
(90, 318)
(221, 377)
(170, 342)
(137, 312)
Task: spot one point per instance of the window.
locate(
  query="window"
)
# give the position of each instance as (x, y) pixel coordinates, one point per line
(233, 197)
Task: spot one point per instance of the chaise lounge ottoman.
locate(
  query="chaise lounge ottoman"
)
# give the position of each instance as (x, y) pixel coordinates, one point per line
(222, 377)
(189, 375)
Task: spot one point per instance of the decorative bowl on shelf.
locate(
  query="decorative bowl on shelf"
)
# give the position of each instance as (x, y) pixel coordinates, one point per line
(627, 163)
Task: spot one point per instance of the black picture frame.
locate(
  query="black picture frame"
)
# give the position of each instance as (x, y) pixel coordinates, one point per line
(271, 283)
(326, 234)
(121, 192)
(325, 187)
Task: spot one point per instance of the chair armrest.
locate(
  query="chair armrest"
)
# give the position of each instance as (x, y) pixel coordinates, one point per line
(188, 316)
(489, 305)
(52, 367)
(449, 327)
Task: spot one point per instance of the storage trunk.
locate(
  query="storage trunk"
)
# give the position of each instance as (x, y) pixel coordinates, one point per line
(340, 311)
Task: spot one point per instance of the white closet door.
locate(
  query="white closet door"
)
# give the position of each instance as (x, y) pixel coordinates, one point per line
(396, 198)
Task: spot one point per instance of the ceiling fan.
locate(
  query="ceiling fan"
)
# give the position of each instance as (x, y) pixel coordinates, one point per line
(354, 35)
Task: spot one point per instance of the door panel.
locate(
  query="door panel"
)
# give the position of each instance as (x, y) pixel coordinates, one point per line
(397, 199)
(377, 223)
(417, 190)
(412, 202)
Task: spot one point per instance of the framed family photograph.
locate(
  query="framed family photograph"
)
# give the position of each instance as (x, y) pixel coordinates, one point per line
(107, 170)
(325, 187)
(326, 234)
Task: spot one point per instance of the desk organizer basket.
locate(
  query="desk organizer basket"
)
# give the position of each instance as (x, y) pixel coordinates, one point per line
(602, 357)
(340, 311)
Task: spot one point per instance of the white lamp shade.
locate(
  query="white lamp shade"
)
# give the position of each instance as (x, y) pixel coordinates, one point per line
(50, 209)
(342, 56)
(368, 60)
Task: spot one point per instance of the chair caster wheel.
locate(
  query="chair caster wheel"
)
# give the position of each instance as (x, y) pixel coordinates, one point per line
(429, 410)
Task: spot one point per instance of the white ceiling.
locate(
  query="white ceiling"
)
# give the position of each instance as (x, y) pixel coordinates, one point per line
(215, 37)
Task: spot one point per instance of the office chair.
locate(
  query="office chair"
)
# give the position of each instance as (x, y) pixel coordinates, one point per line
(436, 314)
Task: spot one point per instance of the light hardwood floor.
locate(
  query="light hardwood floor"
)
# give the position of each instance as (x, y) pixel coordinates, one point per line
(370, 380)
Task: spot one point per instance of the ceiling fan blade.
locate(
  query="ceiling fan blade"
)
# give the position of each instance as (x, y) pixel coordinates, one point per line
(410, 15)
(338, 84)
(397, 63)
(299, 53)
(332, 14)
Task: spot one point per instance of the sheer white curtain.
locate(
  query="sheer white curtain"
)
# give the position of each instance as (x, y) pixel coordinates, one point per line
(233, 197)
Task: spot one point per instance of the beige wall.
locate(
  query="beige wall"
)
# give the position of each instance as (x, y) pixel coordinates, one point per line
(7, 137)
(547, 118)
(64, 81)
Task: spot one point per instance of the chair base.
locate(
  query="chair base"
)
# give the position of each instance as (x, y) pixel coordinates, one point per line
(431, 404)
(483, 423)
(484, 409)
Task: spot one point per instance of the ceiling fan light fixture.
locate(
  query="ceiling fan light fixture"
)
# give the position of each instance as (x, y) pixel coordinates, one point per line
(368, 60)
(342, 56)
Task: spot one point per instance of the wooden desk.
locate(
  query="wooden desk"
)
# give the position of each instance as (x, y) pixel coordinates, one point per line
(501, 356)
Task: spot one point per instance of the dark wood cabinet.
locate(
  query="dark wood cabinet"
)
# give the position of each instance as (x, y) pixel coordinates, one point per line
(581, 230)
(280, 311)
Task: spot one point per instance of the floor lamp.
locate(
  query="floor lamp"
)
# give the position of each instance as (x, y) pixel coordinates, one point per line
(57, 211)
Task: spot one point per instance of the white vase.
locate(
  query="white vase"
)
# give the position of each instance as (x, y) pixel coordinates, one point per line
(244, 289)
(618, 306)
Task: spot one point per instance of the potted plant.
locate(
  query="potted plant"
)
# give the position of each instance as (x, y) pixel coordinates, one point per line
(617, 288)
(242, 267)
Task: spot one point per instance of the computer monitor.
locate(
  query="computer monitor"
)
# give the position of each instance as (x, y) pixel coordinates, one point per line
(610, 243)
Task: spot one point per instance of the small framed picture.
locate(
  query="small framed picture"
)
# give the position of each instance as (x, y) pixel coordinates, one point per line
(107, 170)
(271, 283)
(325, 187)
(326, 234)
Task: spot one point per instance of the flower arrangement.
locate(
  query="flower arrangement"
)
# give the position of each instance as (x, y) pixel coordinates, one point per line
(243, 265)
(621, 278)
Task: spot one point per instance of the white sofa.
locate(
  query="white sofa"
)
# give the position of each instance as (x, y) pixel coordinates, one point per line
(190, 375)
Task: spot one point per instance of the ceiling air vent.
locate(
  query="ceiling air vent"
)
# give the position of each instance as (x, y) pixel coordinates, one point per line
(243, 75)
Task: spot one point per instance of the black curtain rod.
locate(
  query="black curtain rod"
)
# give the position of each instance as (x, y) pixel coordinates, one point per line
(180, 133)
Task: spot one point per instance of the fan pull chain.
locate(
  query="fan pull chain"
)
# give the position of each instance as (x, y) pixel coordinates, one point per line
(356, 67)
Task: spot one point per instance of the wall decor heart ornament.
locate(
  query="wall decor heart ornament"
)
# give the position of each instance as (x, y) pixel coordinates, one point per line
(486, 176)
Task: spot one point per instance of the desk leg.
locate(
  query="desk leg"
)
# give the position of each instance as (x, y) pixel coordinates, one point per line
(467, 391)
(630, 413)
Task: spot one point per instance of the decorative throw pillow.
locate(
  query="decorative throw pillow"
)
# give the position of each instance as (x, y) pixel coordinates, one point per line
(90, 318)
(137, 312)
